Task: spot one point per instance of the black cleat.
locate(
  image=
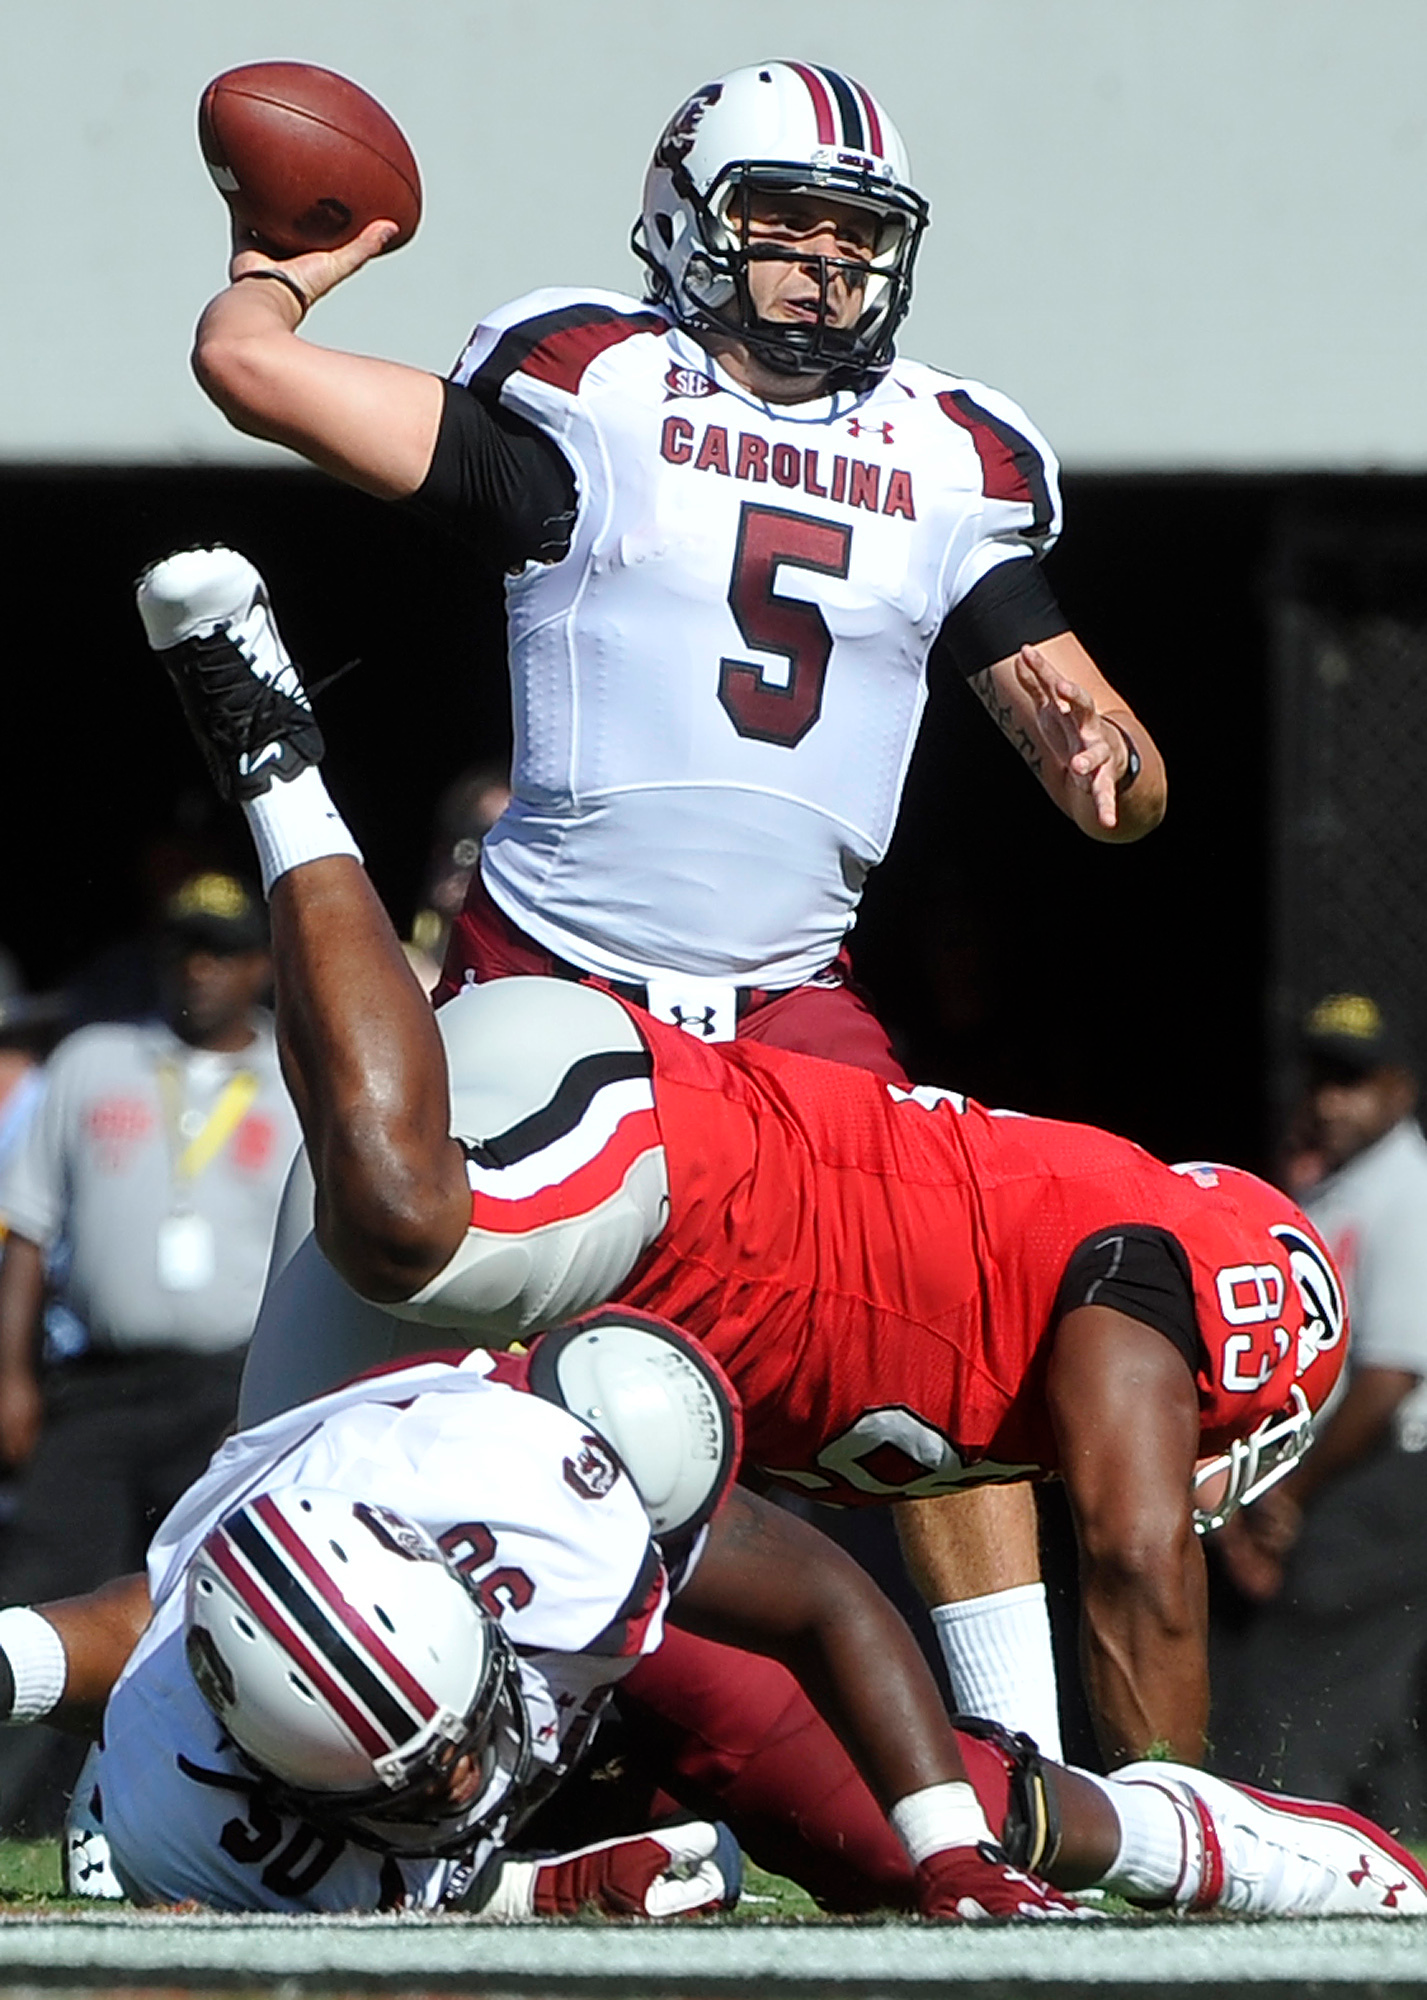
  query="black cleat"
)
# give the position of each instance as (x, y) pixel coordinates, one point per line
(207, 616)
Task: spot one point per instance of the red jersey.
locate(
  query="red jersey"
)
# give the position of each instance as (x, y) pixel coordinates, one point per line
(877, 1269)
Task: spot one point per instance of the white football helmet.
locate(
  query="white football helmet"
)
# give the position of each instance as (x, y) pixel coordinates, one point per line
(782, 128)
(351, 1664)
(665, 1406)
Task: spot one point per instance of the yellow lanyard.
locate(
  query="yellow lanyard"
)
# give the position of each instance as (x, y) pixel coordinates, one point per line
(234, 1102)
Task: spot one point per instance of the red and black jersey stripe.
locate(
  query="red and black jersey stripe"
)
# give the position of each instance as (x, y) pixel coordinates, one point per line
(1011, 466)
(557, 347)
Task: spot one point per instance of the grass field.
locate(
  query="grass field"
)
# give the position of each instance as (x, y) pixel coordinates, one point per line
(30, 1879)
(30, 1873)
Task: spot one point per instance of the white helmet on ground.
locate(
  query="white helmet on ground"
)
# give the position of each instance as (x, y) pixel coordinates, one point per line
(666, 1407)
(779, 128)
(351, 1664)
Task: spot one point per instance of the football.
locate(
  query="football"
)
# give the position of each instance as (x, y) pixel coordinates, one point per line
(304, 158)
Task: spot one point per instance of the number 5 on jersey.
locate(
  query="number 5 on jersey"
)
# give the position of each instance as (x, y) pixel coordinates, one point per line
(771, 623)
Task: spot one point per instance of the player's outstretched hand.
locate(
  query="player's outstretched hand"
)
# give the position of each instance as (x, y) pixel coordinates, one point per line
(681, 1871)
(1088, 747)
(316, 272)
(972, 1883)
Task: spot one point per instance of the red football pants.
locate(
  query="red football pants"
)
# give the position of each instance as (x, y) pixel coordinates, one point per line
(830, 1021)
(733, 1737)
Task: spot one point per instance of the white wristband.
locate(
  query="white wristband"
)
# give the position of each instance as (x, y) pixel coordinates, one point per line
(513, 1896)
(37, 1660)
(942, 1816)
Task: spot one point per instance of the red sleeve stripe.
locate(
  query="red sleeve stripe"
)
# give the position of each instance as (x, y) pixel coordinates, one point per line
(623, 1637)
(588, 1186)
(1011, 467)
(397, 1364)
(558, 347)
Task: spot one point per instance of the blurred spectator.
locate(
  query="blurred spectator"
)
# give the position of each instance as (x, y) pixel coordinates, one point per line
(122, 981)
(465, 814)
(1323, 1698)
(20, 1087)
(148, 1186)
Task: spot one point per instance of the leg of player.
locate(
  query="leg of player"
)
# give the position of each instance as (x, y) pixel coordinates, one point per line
(360, 1041)
(1196, 1842)
(1170, 1836)
(361, 1052)
(975, 1558)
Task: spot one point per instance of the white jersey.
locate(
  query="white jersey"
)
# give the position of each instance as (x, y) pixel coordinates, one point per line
(525, 1500)
(1372, 1214)
(718, 688)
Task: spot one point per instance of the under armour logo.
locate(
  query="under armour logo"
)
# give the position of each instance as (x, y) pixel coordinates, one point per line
(697, 1024)
(1357, 1876)
(858, 429)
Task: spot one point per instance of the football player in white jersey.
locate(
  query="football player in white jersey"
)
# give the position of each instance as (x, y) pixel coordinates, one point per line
(739, 531)
(384, 1624)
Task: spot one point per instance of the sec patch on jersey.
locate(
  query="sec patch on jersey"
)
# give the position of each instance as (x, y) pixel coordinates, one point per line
(304, 158)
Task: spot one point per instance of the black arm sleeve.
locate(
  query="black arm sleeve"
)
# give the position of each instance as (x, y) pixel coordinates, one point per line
(1011, 607)
(497, 483)
(1142, 1272)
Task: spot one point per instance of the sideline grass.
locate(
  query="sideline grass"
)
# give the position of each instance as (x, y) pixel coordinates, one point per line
(30, 1874)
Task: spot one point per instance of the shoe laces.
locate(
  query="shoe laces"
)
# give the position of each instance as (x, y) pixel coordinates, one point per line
(243, 710)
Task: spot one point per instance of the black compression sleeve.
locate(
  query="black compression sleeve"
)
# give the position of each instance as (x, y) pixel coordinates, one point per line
(1011, 607)
(1142, 1272)
(497, 483)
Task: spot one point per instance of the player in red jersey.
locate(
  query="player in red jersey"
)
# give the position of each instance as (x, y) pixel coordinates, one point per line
(911, 1294)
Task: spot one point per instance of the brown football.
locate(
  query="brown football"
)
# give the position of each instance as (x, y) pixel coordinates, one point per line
(305, 159)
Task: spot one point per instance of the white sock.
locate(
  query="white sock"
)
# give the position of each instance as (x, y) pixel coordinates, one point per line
(998, 1654)
(37, 1661)
(1159, 1858)
(296, 822)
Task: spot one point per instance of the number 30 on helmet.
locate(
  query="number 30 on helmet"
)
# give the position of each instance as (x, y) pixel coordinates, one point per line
(779, 128)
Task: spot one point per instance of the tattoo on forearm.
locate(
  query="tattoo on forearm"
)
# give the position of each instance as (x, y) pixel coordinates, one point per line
(1003, 714)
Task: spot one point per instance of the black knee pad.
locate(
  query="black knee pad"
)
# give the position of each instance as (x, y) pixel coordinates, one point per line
(1031, 1835)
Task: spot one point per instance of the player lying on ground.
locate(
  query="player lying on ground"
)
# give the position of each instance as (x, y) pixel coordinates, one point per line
(270, 1743)
(909, 1292)
(341, 1703)
(385, 1624)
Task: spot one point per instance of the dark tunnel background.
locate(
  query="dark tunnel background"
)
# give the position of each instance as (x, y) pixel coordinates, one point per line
(1016, 959)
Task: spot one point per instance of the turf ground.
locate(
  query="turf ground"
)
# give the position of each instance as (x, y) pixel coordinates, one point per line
(775, 1946)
